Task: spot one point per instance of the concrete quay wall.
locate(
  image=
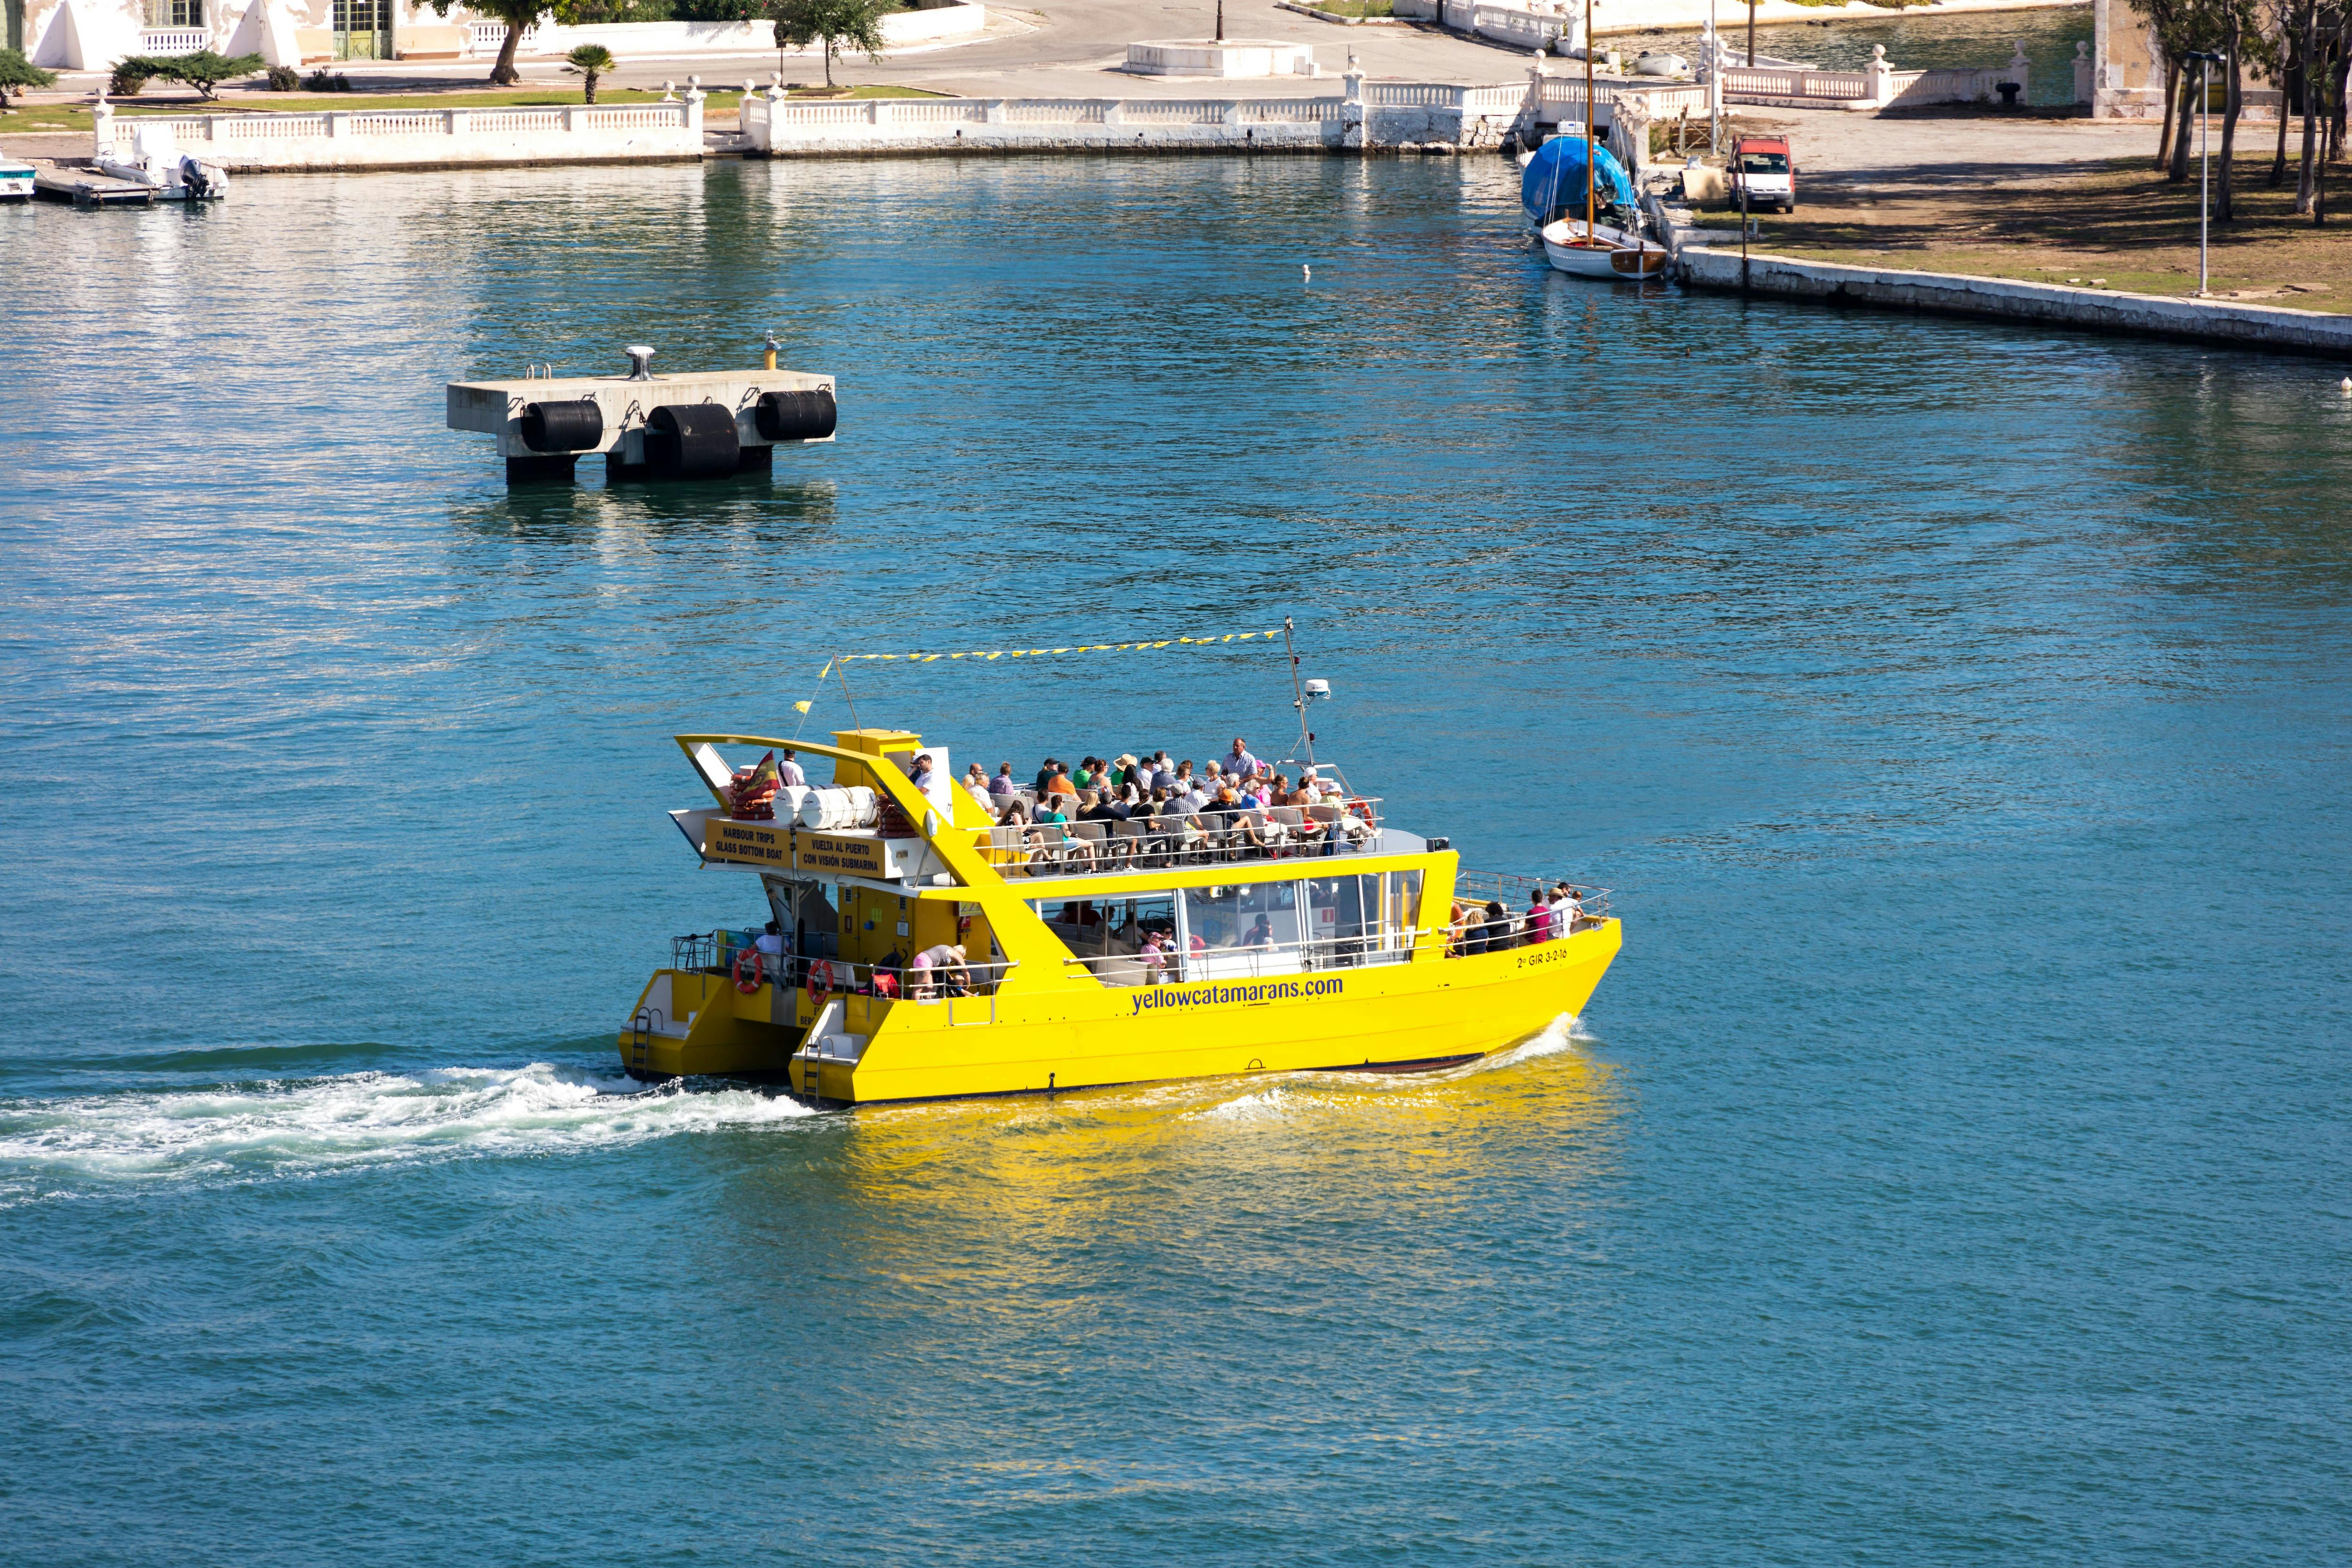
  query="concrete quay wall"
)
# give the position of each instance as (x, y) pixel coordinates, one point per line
(1956, 294)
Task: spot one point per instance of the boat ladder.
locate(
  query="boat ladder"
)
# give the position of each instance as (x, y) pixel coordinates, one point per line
(640, 1033)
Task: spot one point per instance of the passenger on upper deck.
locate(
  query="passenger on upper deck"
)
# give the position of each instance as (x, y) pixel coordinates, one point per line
(1002, 786)
(1496, 929)
(975, 782)
(1240, 762)
(922, 776)
(1537, 927)
(1059, 783)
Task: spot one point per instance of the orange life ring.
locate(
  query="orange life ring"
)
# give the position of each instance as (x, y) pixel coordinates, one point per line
(758, 977)
(820, 982)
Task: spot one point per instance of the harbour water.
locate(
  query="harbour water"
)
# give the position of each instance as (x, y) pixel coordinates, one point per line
(1951, 1170)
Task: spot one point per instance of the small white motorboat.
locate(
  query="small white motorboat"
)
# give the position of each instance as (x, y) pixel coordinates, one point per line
(16, 180)
(1605, 252)
(1661, 65)
(157, 162)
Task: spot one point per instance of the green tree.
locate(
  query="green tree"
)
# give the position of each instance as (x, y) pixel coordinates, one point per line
(836, 24)
(205, 70)
(18, 73)
(591, 61)
(520, 16)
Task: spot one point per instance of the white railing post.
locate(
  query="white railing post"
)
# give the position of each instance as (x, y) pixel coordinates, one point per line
(460, 120)
(1882, 77)
(339, 123)
(101, 125)
(694, 96)
(2018, 67)
(2083, 71)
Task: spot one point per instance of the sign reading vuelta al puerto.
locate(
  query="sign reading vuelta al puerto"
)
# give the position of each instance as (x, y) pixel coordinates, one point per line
(781, 845)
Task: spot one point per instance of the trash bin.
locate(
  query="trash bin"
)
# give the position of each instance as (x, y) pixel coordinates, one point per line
(2009, 92)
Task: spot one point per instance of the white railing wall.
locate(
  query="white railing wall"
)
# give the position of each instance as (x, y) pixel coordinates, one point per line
(1367, 115)
(417, 138)
(166, 42)
(1876, 85)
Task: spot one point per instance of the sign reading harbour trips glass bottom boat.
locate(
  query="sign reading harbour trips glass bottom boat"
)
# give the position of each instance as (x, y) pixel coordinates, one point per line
(911, 948)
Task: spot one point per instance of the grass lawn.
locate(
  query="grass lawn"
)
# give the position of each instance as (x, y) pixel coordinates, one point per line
(2121, 227)
(1355, 7)
(48, 118)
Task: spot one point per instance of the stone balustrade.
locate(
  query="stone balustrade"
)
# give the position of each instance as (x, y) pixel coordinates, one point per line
(1431, 116)
(427, 138)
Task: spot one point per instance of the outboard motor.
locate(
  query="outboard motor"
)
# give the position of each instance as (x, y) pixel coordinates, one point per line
(204, 181)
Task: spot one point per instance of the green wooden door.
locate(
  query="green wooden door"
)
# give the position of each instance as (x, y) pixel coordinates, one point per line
(364, 29)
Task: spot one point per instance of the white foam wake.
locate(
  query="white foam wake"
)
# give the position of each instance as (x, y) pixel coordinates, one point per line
(353, 1120)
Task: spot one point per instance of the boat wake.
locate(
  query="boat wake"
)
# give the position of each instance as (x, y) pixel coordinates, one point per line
(1278, 1101)
(301, 1128)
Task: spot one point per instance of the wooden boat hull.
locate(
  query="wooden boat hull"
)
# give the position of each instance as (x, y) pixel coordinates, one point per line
(1609, 252)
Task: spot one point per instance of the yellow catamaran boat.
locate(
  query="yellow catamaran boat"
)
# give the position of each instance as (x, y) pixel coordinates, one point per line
(1090, 953)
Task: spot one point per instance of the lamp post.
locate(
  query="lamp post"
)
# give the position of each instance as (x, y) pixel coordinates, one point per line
(2206, 60)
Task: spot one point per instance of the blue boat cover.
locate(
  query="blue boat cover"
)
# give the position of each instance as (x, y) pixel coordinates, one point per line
(1554, 179)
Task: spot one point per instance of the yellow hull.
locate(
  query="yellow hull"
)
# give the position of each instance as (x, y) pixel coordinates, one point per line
(1431, 1010)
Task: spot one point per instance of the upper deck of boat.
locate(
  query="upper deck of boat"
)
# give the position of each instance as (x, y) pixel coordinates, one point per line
(879, 837)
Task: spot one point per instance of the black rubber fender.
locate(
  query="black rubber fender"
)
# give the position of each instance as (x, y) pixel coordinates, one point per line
(796, 416)
(562, 427)
(691, 441)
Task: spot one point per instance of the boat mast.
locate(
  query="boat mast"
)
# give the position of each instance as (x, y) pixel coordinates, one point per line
(1298, 695)
(1589, 237)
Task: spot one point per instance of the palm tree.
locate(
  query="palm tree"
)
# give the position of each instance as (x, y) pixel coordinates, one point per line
(591, 60)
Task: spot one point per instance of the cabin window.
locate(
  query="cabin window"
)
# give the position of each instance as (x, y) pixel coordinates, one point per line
(1404, 905)
(1343, 911)
(1249, 915)
(1108, 934)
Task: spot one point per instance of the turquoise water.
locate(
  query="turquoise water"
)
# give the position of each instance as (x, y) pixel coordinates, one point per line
(1951, 1170)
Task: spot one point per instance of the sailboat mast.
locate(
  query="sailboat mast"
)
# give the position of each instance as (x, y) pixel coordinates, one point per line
(1588, 236)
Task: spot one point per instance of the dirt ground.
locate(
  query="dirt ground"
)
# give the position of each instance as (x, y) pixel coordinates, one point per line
(2066, 203)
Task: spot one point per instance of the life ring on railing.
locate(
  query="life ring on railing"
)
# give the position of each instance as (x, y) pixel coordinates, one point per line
(750, 957)
(820, 982)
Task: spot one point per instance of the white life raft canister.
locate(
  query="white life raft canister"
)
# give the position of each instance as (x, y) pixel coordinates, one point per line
(834, 809)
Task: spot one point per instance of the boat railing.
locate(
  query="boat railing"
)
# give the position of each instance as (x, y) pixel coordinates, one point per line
(1513, 890)
(1270, 961)
(720, 952)
(1199, 838)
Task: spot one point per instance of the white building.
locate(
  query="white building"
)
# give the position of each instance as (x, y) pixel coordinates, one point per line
(87, 34)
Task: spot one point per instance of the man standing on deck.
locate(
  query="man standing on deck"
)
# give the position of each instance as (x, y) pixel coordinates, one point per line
(788, 772)
(1240, 763)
